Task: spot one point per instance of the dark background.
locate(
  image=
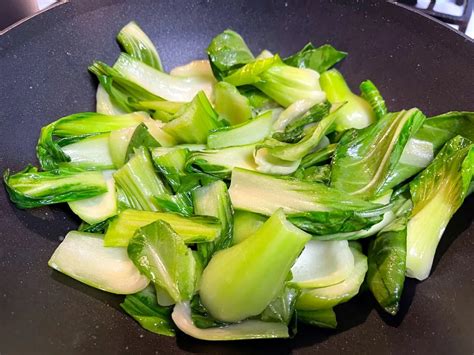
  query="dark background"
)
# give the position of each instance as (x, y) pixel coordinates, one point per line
(43, 76)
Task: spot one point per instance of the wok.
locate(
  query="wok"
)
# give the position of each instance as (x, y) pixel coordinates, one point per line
(415, 61)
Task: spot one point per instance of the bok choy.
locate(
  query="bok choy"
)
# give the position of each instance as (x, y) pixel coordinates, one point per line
(226, 197)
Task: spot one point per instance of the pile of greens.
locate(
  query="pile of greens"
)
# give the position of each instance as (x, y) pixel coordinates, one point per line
(227, 198)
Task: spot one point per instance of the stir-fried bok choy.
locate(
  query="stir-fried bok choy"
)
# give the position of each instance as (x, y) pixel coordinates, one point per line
(237, 195)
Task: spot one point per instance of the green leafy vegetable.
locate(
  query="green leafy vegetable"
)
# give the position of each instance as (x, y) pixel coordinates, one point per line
(281, 82)
(228, 51)
(142, 307)
(248, 329)
(193, 122)
(77, 127)
(96, 209)
(437, 193)
(323, 318)
(261, 193)
(386, 264)
(249, 132)
(357, 113)
(428, 140)
(139, 46)
(330, 296)
(220, 163)
(364, 159)
(83, 257)
(213, 200)
(319, 59)
(30, 188)
(230, 104)
(255, 270)
(139, 182)
(196, 229)
(296, 151)
(246, 224)
(162, 256)
(161, 85)
(282, 308)
(372, 95)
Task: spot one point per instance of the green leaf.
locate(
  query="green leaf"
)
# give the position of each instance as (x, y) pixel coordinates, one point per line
(77, 127)
(142, 307)
(437, 193)
(317, 173)
(335, 225)
(249, 132)
(230, 104)
(141, 138)
(196, 229)
(252, 72)
(193, 122)
(162, 256)
(428, 140)
(318, 156)
(263, 194)
(364, 159)
(213, 200)
(142, 78)
(296, 151)
(294, 128)
(386, 264)
(323, 318)
(123, 93)
(170, 164)
(30, 188)
(139, 183)
(282, 308)
(228, 51)
(372, 95)
(220, 163)
(319, 59)
(136, 43)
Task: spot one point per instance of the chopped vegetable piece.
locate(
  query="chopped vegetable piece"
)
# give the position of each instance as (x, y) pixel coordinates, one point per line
(192, 229)
(437, 193)
(319, 59)
(249, 132)
(357, 113)
(330, 296)
(193, 122)
(248, 329)
(255, 270)
(96, 209)
(230, 104)
(142, 307)
(83, 257)
(139, 46)
(322, 263)
(30, 188)
(213, 200)
(386, 260)
(161, 254)
(364, 159)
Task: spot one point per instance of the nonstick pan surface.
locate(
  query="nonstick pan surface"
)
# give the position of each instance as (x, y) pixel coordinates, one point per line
(413, 60)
